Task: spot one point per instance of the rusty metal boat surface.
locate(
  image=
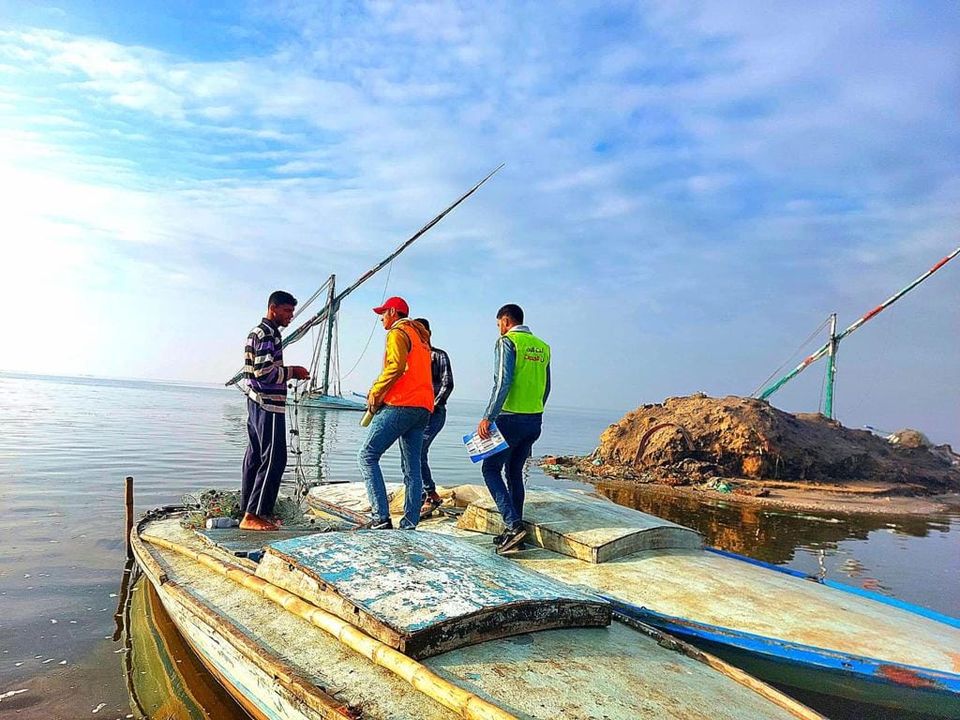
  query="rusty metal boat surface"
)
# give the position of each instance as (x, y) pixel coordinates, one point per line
(786, 627)
(373, 624)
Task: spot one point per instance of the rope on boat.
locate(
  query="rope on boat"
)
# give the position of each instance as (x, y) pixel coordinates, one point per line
(302, 487)
(466, 704)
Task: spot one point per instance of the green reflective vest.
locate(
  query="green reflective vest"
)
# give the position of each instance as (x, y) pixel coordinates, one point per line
(529, 374)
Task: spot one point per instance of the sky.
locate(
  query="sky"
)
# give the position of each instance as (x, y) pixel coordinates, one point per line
(690, 189)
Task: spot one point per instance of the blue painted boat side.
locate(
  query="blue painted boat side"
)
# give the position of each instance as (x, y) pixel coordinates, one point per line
(886, 600)
(887, 673)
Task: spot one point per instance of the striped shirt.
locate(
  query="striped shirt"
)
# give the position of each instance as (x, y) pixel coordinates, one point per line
(263, 367)
(442, 376)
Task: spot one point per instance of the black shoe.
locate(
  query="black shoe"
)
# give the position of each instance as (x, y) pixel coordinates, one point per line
(511, 540)
(381, 525)
(497, 539)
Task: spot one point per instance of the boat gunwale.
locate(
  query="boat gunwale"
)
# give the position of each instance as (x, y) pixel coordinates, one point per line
(860, 666)
(844, 587)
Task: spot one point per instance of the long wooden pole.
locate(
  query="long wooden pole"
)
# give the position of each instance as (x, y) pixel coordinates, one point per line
(809, 360)
(453, 697)
(322, 314)
(128, 503)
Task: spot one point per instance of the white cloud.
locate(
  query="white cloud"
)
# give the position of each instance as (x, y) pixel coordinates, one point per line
(673, 164)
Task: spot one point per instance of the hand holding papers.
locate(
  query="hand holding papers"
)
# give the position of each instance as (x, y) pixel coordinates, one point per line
(478, 448)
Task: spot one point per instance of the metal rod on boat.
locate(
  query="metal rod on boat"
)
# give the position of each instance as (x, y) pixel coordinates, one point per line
(322, 314)
(867, 316)
(128, 501)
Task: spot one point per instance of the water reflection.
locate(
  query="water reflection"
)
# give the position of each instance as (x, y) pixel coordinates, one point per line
(165, 680)
(903, 556)
(757, 531)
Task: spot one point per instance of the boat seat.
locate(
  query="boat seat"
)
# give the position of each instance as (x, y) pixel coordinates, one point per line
(425, 594)
(586, 527)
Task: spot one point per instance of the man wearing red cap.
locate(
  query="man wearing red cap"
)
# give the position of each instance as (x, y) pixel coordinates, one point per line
(401, 400)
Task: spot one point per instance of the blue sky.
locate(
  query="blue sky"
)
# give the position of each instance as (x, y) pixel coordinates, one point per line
(690, 188)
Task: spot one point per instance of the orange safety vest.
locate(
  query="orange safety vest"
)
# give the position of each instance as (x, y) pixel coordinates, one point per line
(415, 387)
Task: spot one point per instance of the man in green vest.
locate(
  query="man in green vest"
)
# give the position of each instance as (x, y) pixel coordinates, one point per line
(521, 384)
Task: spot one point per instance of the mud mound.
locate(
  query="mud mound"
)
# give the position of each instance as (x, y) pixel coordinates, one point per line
(695, 438)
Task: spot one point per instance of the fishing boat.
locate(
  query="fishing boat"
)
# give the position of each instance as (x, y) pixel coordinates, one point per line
(784, 626)
(373, 624)
(325, 364)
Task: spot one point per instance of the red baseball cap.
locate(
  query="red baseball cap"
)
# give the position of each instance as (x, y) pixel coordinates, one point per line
(394, 303)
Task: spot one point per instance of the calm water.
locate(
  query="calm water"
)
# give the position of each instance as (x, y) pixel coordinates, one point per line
(68, 443)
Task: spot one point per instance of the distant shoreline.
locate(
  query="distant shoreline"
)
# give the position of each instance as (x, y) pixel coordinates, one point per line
(848, 499)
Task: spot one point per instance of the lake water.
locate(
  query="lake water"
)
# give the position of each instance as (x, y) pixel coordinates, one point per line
(67, 444)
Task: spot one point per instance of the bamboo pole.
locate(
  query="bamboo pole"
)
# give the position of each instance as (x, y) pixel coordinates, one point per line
(332, 307)
(128, 503)
(453, 697)
(831, 367)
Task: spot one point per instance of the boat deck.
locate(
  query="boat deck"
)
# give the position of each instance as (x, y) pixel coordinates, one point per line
(718, 591)
(611, 672)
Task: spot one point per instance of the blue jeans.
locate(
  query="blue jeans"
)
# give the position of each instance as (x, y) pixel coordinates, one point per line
(437, 420)
(392, 423)
(520, 432)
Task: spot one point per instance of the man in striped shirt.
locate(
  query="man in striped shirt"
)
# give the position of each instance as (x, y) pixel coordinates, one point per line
(267, 377)
(442, 376)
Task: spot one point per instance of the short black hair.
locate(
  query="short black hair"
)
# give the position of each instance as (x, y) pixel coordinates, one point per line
(512, 311)
(281, 297)
(424, 322)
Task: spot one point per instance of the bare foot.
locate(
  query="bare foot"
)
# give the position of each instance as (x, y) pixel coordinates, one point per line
(255, 522)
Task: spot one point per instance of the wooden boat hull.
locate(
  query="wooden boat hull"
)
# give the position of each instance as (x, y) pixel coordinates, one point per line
(783, 626)
(836, 683)
(166, 679)
(279, 666)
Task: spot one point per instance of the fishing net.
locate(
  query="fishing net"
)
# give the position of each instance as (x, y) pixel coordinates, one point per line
(226, 503)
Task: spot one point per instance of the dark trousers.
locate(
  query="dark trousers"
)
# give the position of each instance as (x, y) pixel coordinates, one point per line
(265, 461)
(520, 432)
(434, 425)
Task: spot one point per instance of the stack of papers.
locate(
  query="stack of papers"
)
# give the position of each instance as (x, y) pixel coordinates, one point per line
(478, 448)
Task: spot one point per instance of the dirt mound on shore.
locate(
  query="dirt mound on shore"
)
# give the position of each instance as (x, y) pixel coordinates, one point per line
(696, 438)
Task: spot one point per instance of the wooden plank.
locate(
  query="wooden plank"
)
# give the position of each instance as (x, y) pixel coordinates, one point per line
(585, 527)
(424, 594)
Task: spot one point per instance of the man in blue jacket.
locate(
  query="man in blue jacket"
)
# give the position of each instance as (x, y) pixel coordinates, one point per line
(521, 385)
